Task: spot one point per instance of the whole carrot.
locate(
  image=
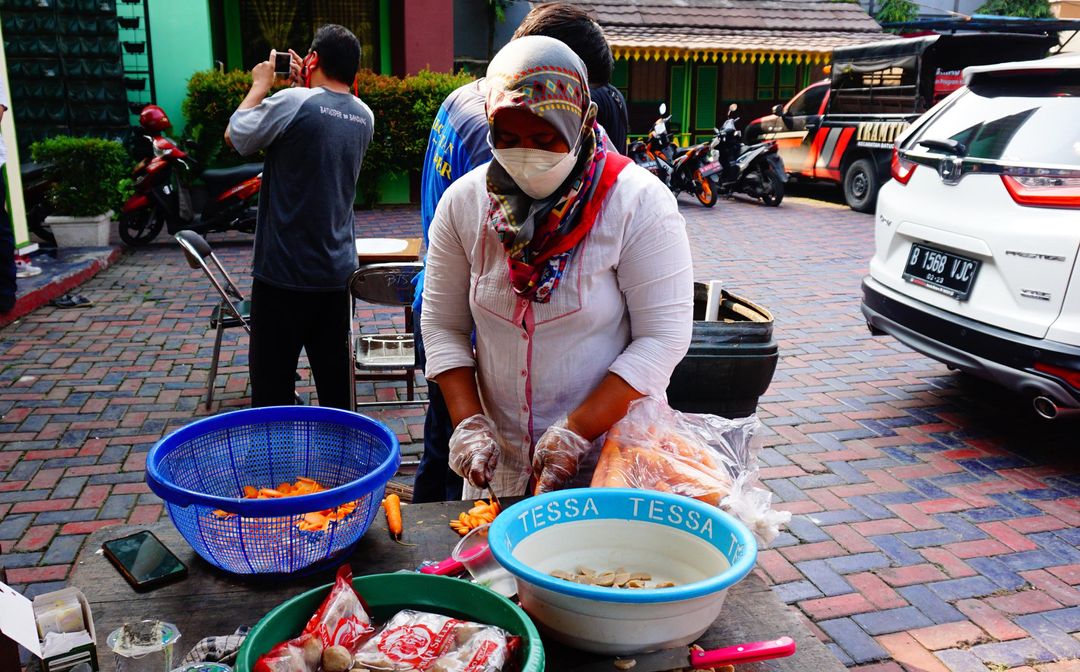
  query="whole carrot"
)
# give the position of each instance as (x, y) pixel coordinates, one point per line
(392, 504)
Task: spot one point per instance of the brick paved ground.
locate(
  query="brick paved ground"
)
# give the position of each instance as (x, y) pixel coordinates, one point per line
(936, 523)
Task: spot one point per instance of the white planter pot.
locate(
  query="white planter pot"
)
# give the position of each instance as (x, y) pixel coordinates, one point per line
(81, 231)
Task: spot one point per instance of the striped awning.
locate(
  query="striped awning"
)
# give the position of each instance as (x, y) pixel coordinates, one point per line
(730, 46)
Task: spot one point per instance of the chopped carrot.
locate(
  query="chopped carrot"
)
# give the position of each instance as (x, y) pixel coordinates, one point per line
(481, 513)
(318, 521)
(392, 504)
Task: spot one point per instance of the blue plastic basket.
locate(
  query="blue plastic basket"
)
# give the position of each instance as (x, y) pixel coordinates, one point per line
(203, 467)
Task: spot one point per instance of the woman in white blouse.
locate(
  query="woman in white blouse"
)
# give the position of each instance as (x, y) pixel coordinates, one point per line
(572, 268)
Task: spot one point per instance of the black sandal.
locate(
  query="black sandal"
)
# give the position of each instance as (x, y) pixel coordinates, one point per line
(71, 301)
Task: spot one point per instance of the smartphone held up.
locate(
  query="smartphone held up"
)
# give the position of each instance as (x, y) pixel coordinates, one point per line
(282, 64)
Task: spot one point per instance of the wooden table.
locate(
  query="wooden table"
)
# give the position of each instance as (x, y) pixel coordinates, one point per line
(209, 602)
(386, 250)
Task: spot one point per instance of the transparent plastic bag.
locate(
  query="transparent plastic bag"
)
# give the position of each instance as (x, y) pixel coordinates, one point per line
(416, 640)
(655, 447)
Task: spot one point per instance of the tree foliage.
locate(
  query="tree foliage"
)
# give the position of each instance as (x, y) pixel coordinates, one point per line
(1032, 9)
(897, 11)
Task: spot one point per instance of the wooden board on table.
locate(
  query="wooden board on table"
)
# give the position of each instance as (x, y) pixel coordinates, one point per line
(209, 602)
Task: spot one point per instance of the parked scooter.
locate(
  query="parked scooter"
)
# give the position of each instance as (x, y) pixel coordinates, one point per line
(754, 170)
(163, 197)
(682, 169)
(36, 188)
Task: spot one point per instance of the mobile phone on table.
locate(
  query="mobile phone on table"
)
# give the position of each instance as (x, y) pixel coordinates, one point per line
(144, 561)
(282, 63)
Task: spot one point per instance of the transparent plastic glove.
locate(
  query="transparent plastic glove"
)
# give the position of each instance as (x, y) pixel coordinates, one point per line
(474, 450)
(557, 455)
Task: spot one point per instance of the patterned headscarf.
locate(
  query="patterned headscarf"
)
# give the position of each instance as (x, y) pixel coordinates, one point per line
(543, 76)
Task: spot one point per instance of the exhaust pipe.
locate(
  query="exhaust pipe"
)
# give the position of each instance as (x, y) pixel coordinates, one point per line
(1048, 409)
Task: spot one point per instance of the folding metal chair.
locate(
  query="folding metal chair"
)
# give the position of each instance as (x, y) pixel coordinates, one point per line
(384, 356)
(233, 311)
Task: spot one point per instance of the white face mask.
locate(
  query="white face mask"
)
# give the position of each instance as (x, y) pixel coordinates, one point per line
(538, 172)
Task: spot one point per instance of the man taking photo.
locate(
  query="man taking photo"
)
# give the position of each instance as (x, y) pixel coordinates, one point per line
(315, 136)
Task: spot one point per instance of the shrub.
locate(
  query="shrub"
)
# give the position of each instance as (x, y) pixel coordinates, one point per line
(404, 110)
(90, 175)
(212, 97)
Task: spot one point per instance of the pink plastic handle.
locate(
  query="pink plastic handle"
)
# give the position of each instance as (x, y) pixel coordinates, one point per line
(743, 653)
(443, 568)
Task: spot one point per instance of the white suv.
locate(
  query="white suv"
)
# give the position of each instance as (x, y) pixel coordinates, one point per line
(977, 234)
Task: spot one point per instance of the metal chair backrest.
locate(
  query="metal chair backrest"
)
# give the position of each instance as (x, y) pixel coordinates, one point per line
(385, 284)
(197, 251)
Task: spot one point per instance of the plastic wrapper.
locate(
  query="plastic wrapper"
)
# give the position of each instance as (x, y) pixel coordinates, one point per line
(474, 450)
(416, 640)
(709, 458)
(340, 620)
(558, 455)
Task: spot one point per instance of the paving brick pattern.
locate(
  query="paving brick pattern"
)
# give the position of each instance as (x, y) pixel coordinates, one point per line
(935, 521)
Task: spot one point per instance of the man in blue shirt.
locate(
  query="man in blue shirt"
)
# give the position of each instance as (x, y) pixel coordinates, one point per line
(458, 142)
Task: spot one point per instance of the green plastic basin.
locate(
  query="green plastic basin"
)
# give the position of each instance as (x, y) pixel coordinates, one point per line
(387, 594)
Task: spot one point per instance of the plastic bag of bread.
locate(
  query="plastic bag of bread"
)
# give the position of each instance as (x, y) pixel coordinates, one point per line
(655, 447)
(425, 642)
(341, 620)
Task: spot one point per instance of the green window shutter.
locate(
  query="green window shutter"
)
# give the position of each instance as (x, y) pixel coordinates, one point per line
(620, 75)
(788, 88)
(766, 81)
(705, 116)
(676, 101)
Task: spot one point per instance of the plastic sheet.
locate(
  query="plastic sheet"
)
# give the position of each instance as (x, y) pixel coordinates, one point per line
(709, 458)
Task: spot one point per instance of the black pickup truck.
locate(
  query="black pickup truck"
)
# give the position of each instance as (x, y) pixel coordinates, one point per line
(842, 129)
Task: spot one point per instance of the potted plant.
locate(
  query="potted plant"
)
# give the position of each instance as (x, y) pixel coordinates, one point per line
(88, 176)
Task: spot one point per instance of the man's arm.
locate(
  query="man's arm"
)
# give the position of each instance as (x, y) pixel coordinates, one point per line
(262, 80)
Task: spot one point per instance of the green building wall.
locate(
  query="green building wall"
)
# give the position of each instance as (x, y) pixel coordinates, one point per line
(181, 44)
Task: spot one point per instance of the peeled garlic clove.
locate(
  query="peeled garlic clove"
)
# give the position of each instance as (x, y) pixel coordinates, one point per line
(604, 579)
(635, 583)
(621, 578)
(565, 576)
(665, 584)
(640, 576)
(586, 571)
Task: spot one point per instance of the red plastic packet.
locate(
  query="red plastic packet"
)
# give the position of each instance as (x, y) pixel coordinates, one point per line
(340, 620)
(426, 642)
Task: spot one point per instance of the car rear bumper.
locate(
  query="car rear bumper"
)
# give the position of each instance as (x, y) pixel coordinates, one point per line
(1004, 357)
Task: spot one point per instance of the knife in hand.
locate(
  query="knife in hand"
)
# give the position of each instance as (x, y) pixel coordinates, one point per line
(694, 657)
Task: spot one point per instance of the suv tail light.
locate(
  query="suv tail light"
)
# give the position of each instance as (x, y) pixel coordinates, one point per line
(1070, 376)
(901, 168)
(1044, 191)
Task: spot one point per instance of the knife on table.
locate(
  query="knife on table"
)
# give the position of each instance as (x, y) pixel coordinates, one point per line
(694, 658)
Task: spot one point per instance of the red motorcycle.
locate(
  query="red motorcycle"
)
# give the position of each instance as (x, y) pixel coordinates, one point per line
(163, 197)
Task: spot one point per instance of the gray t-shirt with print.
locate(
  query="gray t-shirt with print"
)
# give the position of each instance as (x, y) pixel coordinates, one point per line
(315, 140)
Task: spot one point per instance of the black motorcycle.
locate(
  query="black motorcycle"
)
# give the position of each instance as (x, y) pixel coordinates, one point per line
(755, 170)
(681, 169)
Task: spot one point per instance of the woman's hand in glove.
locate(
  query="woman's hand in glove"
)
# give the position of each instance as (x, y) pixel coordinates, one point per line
(557, 455)
(474, 450)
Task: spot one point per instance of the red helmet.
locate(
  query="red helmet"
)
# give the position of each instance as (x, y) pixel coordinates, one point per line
(153, 118)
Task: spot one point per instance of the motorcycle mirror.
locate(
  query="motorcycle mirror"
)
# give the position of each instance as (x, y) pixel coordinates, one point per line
(731, 108)
(778, 110)
(663, 109)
